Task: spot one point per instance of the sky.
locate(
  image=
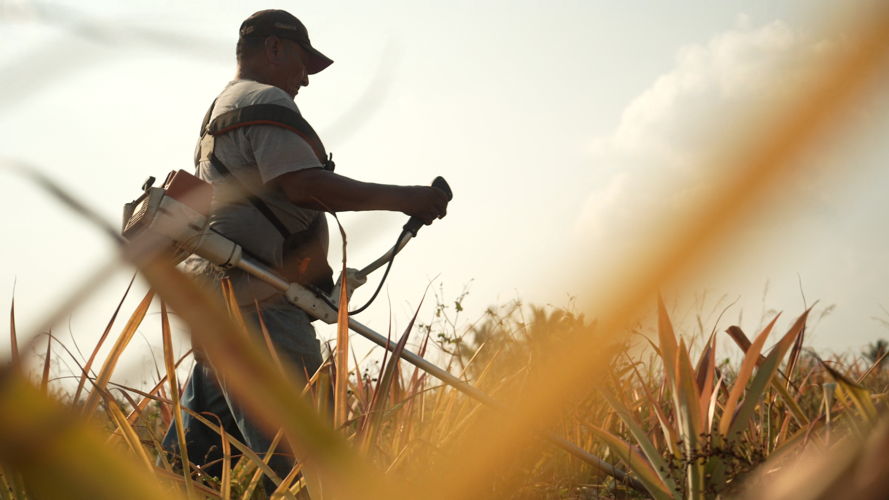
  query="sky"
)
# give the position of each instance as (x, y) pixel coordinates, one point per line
(567, 131)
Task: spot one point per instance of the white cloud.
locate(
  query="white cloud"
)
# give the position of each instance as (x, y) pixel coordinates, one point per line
(660, 161)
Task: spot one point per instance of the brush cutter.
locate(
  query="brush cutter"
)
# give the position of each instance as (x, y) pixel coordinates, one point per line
(178, 214)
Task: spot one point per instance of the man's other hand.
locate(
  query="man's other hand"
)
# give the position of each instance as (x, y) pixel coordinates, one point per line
(425, 202)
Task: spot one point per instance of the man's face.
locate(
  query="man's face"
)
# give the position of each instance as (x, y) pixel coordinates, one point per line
(293, 67)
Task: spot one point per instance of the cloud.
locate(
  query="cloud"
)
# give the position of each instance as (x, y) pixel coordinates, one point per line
(660, 163)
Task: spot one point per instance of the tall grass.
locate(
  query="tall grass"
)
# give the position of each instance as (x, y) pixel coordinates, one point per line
(698, 429)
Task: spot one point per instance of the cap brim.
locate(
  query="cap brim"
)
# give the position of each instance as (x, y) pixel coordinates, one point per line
(317, 61)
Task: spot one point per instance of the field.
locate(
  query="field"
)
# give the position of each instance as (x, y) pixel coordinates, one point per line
(682, 422)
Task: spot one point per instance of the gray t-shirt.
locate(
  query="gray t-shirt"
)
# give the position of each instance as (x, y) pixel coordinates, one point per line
(255, 154)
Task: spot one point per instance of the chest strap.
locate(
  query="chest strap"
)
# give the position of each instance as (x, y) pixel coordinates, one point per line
(267, 114)
(258, 114)
(303, 246)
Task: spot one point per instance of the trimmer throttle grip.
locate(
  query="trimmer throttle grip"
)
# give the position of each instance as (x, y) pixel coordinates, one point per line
(442, 185)
(415, 223)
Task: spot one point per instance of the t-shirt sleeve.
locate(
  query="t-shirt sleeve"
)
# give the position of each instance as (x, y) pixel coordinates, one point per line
(278, 151)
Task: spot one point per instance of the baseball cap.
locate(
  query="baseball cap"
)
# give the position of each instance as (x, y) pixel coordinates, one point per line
(284, 25)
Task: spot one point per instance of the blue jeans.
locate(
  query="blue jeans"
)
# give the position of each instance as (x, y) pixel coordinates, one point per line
(294, 340)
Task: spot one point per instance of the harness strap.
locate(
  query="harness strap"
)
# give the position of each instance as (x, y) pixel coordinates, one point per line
(289, 119)
(259, 114)
(268, 114)
(206, 120)
(253, 199)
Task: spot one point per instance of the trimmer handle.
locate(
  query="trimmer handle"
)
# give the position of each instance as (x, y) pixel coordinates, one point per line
(415, 223)
(442, 185)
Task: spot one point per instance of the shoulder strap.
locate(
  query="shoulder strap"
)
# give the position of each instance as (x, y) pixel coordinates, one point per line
(206, 120)
(267, 114)
(222, 169)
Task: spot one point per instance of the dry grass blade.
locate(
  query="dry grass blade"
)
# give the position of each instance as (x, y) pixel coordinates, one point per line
(46, 443)
(129, 434)
(13, 337)
(656, 461)
(672, 437)
(711, 407)
(637, 463)
(250, 456)
(257, 476)
(126, 395)
(739, 337)
(234, 308)
(854, 393)
(341, 383)
(705, 368)
(764, 376)
(704, 375)
(268, 340)
(321, 386)
(286, 488)
(747, 365)
(783, 390)
(876, 365)
(149, 396)
(361, 388)
(691, 420)
(226, 478)
(341, 355)
(89, 364)
(373, 420)
(798, 414)
(206, 492)
(794, 357)
(44, 379)
(170, 365)
(666, 341)
(108, 367)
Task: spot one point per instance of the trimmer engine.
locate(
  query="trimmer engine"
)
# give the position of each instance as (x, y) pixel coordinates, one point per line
(178, 213)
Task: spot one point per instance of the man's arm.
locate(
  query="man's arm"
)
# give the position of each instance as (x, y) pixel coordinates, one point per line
(323, 190)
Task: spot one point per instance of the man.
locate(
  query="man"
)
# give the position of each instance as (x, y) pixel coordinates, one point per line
(272, 182)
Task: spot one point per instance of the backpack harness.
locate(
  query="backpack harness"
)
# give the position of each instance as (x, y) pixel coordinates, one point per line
(289, 119)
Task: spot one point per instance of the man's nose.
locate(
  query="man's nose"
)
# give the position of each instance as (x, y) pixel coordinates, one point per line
(305, 81)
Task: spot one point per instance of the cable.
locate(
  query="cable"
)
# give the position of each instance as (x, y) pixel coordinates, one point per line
(323, 296)
(385, 273)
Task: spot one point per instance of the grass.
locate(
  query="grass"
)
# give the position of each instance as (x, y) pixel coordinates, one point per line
(689, 428)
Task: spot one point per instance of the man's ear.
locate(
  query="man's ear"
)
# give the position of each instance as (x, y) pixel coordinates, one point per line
(273, 48)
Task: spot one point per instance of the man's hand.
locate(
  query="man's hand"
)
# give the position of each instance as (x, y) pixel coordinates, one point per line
(425, 202)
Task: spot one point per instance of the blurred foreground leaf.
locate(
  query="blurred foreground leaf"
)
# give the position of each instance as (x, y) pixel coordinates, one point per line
(59, 455)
